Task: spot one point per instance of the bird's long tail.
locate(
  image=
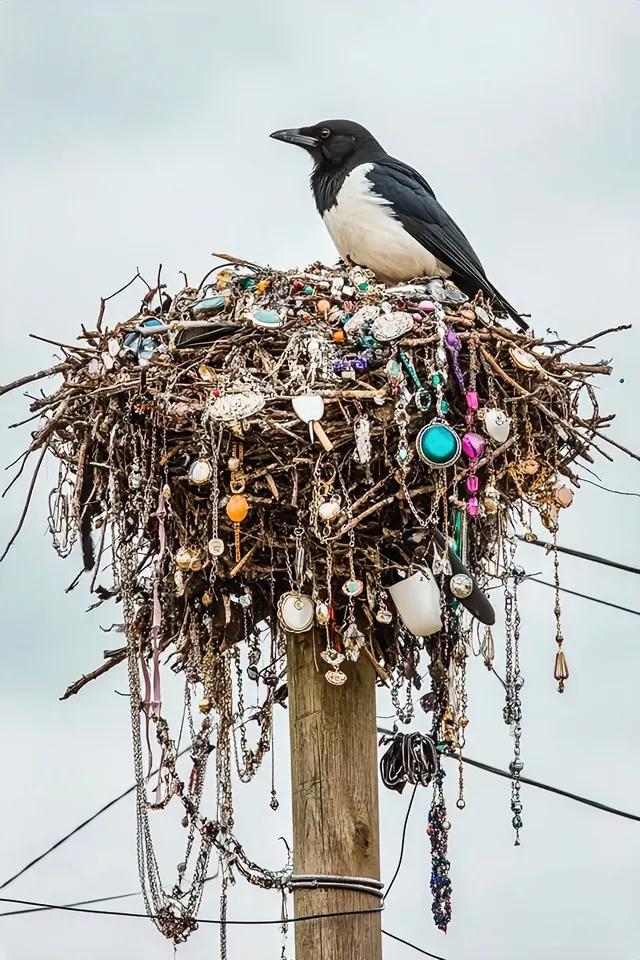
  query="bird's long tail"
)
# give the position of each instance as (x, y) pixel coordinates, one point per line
(500, 304)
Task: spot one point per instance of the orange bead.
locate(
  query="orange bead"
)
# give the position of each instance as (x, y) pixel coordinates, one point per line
(338, 336)
(237, 508)
(262, 285)
(323, 306)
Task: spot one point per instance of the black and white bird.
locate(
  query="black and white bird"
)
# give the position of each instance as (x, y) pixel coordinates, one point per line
(383, 215)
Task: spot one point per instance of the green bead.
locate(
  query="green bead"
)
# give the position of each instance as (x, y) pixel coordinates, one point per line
(363, 286)
(247, 283)
(435, 379)
(444, 406)
(308, 291)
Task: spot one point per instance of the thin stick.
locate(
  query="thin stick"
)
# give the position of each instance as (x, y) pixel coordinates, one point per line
(595, 336)
(27, 502)
(31, 377)
(88, 677)
(57, 343)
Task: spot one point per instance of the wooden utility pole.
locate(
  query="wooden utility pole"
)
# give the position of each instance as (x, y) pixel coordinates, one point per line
(334, 782)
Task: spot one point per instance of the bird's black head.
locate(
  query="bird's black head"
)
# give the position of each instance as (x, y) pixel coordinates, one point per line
(332, 142)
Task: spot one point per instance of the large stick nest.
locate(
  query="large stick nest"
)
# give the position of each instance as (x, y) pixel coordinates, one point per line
(200, 387)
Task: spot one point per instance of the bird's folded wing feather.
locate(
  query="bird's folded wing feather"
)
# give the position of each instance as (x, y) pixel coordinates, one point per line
(415, 205)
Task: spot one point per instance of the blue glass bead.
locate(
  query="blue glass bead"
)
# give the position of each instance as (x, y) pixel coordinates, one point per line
(438, 445)
(308, 290)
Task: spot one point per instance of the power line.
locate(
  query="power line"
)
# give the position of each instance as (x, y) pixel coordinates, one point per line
(585, 596)
(621, 493)
(215, 921)
(82, 907)
(404, 837)
(477, 763)
(425, 953)
(580, 554)
(78, 903)
(545, 786)
(497, 771)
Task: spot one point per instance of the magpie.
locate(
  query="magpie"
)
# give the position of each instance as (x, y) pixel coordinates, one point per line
(383, 215)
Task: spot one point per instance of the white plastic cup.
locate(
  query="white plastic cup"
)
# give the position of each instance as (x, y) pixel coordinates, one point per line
(417, 600)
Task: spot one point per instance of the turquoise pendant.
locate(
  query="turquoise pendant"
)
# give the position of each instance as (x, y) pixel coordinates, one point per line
(266, 318)
(438, 445)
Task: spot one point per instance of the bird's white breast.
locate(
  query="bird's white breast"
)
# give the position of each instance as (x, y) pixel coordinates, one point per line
(364, 229)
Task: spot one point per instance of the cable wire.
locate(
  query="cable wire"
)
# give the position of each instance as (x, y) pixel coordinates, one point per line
(580, 554)
(413, 946)
(545, 786)
(497, 771)
(585, 596)
(215, 921)
(404, 837)
(83, 908)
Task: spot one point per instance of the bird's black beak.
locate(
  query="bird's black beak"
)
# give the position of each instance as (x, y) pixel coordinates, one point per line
(294, 136)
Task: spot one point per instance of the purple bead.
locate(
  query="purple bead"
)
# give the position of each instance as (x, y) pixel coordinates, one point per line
(473, 445)
(473, 506)
(427, 306)
(473, 400)
(473, 483)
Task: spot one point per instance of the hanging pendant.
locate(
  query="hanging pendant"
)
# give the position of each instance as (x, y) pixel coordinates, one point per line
(329, 509)
(332, 656)
(461, 586)
(561, 670)
(473, 445)
(323, 613)
(295, 612)
(497, 424)
(216, 547)
(200, 472)
(354, 641)
(392, 326)
(438, 445)
(237, 510)
(336, 677)
(266, 318)
(352, 588)
(523, 359)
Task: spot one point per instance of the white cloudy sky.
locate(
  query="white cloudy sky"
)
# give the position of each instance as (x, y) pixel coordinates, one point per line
(134, 133)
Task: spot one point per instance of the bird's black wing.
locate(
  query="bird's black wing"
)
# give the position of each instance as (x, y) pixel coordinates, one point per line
(415, 205)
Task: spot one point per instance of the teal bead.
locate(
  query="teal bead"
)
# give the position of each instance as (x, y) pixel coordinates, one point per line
(368, 342)
(363, 286)
(308, 291)
(247, 283)
(438, 445)
(444, 406)
(435, 379)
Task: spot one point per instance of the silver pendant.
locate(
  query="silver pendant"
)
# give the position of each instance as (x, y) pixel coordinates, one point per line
(295, 612)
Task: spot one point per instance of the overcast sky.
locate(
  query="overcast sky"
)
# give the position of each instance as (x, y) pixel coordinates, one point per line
(133, 133)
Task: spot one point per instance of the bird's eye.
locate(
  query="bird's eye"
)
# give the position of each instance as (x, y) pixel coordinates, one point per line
(324, 133)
